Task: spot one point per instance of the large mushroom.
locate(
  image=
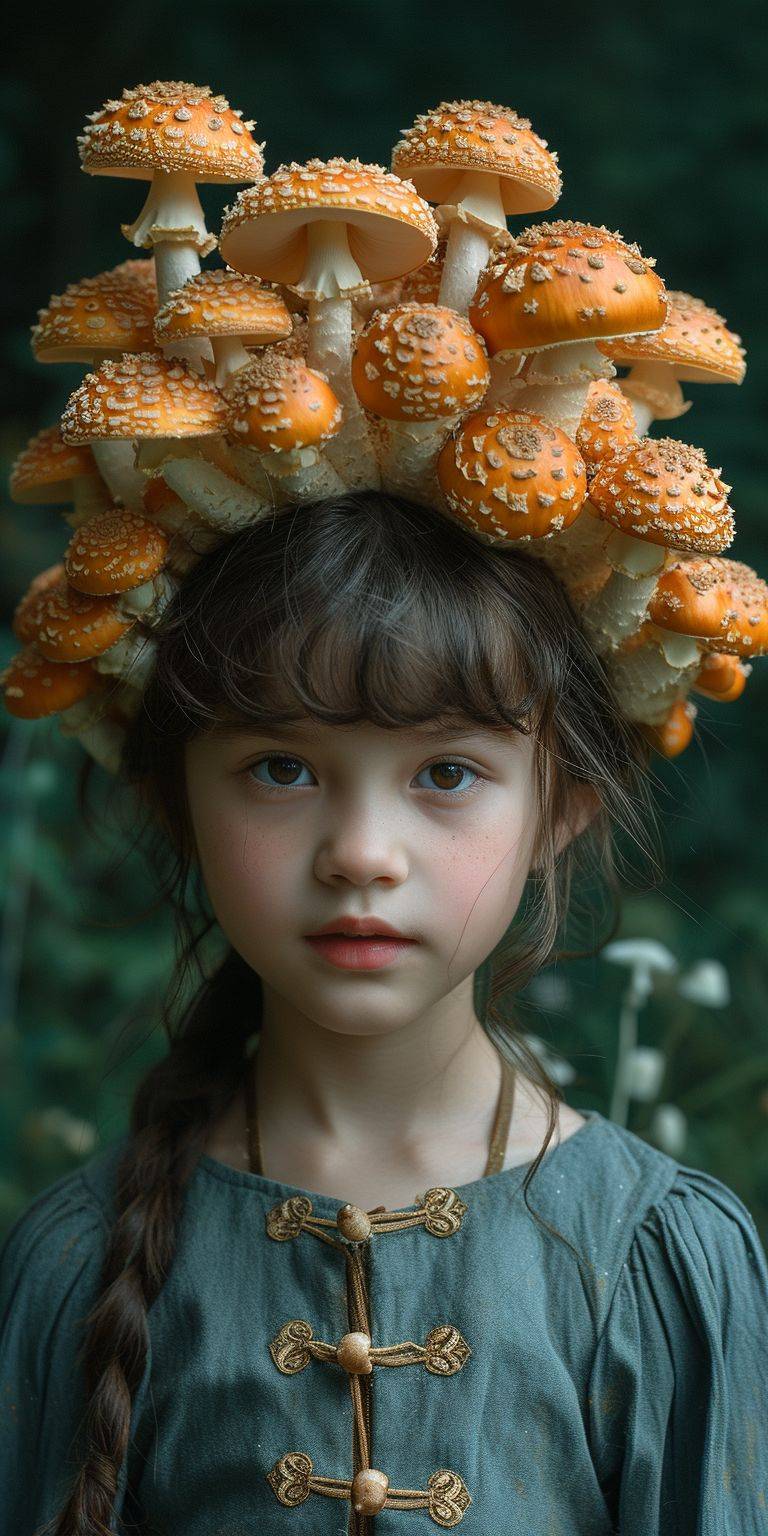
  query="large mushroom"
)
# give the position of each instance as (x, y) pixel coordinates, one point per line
(694, 345)
(420, 367)
(173, 135)
(49, 471)
(160, 402)
(75, 627)
(478, 162)
(232, 311)
(282, 414)
(658, 494)
(94, 319)
(122, 554)
(514, 476)
(327, 229)
(555, 293)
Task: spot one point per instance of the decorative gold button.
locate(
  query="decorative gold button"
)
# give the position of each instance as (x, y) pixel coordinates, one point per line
(369, 1491)
(354, 1353)
(353, 1223)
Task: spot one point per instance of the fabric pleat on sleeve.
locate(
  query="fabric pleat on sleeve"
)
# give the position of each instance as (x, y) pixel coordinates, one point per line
(678, 1394)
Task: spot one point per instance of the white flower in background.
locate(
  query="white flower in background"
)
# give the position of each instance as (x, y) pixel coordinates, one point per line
(669, 1129)
(706, 983)
(560, 1070)
(550, 991)
(75, 1135)
(643, 1073)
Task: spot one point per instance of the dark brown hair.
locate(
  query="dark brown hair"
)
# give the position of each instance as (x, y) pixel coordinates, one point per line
(361, 607)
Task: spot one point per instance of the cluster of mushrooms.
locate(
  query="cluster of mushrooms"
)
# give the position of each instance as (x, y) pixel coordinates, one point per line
(380, 329)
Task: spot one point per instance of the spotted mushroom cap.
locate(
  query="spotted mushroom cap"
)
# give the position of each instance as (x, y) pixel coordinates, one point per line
(512, 475)
(26, 617)
(422, 286)
(722, 602)
(419, 362)
(721, 676)
(460, 136)
(44, 471)
(675, 732)
(218, 302)
(664, 491)
(565, 282)
(114, 552)
(607, 423)
(143, 395)
(694, 340)
(99, 317)
(277, 402)
(74, 627)
(34, 686)
(170, 126)
(390, 228)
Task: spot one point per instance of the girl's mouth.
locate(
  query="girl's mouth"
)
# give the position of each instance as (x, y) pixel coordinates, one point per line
(367, 953)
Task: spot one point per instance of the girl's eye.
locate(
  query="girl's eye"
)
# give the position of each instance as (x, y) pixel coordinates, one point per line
(282, 770)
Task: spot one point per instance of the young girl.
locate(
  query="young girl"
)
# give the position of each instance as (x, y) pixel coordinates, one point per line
(356, 1268)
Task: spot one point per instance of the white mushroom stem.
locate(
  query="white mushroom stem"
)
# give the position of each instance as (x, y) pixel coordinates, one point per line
(115, 459)
(90, 496)
(132, 655)
(557, 382)
(329, 351)
(229, 356)
(475, 217)
(152, 452)
(654, 393)
(647, 681)
(101, 737)
(575, 551)
(409, 453)
(214, 496)
(172, 224)
(619, 610)
(302, 473)
(505, 383)
(150, 600)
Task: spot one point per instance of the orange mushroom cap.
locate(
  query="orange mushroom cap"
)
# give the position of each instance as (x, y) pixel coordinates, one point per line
(74, 627)
(277, 402)
(673, 735)
(460, 136)
(34, 686)
(694, 339)
(26, 617)
(564, 282)
(218, 302)
(721, 677)
(143, 395)
(419, 362)
(513, 475)
(44, 471)
(607, 423)
(663, 490)
(390, 228)
(114, 552)
(170, 125)
(723, 603)
(99, 317)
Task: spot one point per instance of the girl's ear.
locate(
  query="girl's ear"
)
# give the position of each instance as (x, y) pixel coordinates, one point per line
(584, 806)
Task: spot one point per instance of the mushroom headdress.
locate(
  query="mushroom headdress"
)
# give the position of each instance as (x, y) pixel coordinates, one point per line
(384, 328)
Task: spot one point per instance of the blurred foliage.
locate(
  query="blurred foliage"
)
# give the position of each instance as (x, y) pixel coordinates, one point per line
(658, 116)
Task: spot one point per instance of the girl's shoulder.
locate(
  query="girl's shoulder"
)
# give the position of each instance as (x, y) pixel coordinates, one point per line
(62, 1233)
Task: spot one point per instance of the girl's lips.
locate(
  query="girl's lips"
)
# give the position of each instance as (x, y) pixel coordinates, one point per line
(363, 954)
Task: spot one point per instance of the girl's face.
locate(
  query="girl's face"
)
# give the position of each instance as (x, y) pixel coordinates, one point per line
(429, 828)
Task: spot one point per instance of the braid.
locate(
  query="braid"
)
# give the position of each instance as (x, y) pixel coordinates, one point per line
(170, 1114)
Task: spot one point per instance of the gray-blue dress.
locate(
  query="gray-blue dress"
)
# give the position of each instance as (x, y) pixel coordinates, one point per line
(516, 1391)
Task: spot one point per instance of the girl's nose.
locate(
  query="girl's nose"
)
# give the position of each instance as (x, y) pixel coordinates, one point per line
(361, 851)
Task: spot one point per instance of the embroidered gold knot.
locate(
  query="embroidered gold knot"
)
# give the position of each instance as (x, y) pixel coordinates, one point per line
(440, 1211)
(443, 1353)
(446, 1497)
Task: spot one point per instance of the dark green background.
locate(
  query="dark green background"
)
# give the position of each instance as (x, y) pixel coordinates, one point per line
(658, 116)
